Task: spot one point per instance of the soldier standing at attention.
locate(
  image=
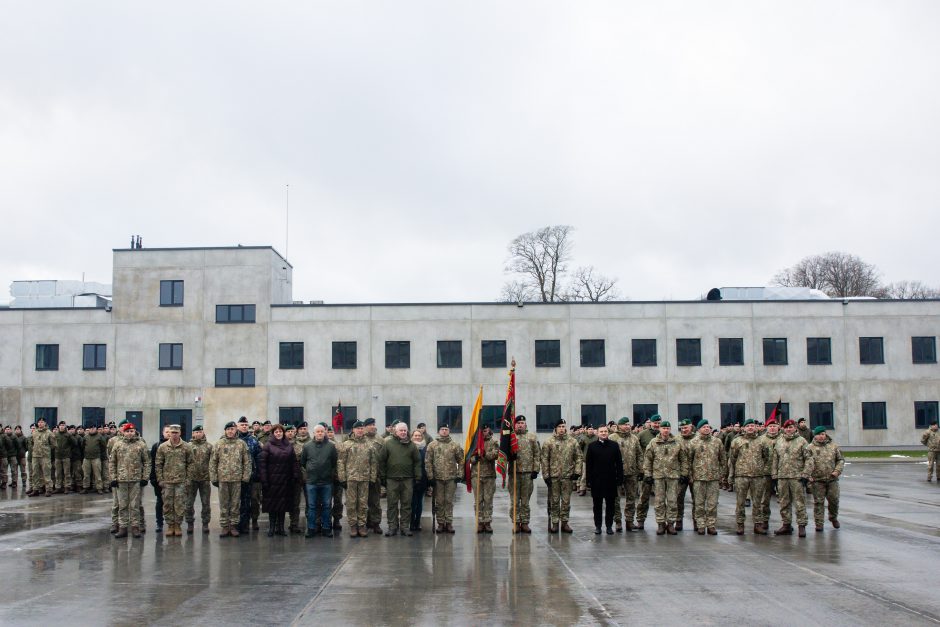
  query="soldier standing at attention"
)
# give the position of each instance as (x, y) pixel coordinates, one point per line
(562, 463)
(40, 471)
(791, 467)
(198, 480)
(931, 439)
(250, 507)
(483, 480)
(20, 454)
(666, 467)
(64, 443)
(174, 458)
(157, 489)
(632, 456)
(374, 518)
(827, 468)
(707, 463)
(589, 436)
(337, 510)
(357, 468)
(265, 434)
(399, 467)
(746, 461)
(766, 487)
(522, 472)
(94, 456)
(7, 457)
(230, 470)
(444, 464)
(686, 435)
(78, 438)
(646, 436)
(298, 438)
(129, 467)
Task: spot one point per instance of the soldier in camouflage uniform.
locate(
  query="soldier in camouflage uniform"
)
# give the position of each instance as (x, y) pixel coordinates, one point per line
(40, 456)
(337, 486)
(230, 470)
(374, 518)
(522, 472)
(632, 455)
(562, 463)
(584, 439)
(791, 467)
(686, 435)
(827, 468)
(707, 463)
(666, 467)
(63, 442)
(746, 460)
(109, 449)
(766, 488)
(250, 507)
(95, 456)
(298, 437)
(357, 468)
(173, 460)
(443, 462)
(645, 437)
(931, 439)
(265, 434)
(129, 468)
(198, 480)
(483, 479)
(804, 431)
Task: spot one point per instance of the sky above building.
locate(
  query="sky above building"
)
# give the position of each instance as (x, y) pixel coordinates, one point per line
(690, 144)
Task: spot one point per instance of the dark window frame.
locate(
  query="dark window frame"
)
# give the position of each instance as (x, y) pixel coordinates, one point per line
(731, 351)
(350, 416)
(921, 356)
(449, 353)
(545, 417)
(292, 353)
(49, 414)
(246, 314)
(397, 354)
(170, 296)
(450, 415)
(925, 412)
(876, 421)
(784, 411)
(587, 409)
(643, 411)
(689, 411)
(731, 413)
(172, 348)
(340, 350)
(99, 357)
(290, 414)
(641, 355)
(244, 374)
(772, 351)
(492, 353)
(684, 357)
(93, 416)
(491, 415)
(816, 409)
(593, 353)
(401, 413)
(814, 351)
(52, 358)
(871, 351)
(548, 353)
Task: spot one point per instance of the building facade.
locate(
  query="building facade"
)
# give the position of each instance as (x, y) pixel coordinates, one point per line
(210, 334)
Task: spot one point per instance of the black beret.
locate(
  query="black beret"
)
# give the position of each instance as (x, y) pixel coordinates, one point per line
(561, 421)
(229, 425)
(358, 424)
(302, 425)
(197, 428)
(519, 418)
(243, 420)
(255, 422)
(368, 421)
(266, 422)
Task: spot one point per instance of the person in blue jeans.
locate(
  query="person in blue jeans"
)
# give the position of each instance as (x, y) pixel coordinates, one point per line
(318, 459)
(421, 484)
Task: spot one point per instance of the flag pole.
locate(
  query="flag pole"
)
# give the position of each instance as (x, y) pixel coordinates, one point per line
(515, 482)
(476, 499)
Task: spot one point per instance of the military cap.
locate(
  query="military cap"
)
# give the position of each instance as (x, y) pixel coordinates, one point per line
(421, 424)
(265, 423)
(655, 418)
(623, 421)
(394, 422)
(229, 425)
(561, 421)
(122, 423)
(519, 418)
(819, 429)
(749, 421)
(802, 420)
(358, 424)
(933, 422)
(290, 426)
(127, 426)
(197, 428)
(665, 423)
(255, 422)
(302, 424)
(61, 422)
(243, 420)
(789, 423)
(685, 422)
(368, 421)
(324, 425)
(772, 421)
(702, 423)
(173, 428)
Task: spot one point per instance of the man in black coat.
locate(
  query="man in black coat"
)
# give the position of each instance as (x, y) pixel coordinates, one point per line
(604, 470)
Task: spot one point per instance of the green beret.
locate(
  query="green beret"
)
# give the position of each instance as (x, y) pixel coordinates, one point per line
(623, 421)
(684, 422)
(197, 428)
(655, 418)
(122, 423)
(749, 421)
(819, 429)
(358, 424)
(368, 421)
(665, 423)
(322, 424)
(702, 423)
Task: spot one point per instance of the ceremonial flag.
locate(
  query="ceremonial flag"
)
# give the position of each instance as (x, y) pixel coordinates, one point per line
(338, 418)
(474, 443)
(775, 414)
(508, 444)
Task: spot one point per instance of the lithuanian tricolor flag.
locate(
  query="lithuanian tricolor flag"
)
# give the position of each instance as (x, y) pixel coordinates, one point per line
(474, 443)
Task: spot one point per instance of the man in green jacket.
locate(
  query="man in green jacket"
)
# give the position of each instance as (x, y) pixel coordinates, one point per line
(399, 468)
(318, 460)
(94, 456)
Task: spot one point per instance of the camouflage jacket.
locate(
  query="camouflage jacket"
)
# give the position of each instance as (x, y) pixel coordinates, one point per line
(631, 452)
(666, 459)
(198, 469)
(747, 456)
(583, 442)
(806, 433)
(791, 458)
(487, 466)
(931, 439)
(827, 459)
(768, 441)
(298, 444)
(357, 460)
(173, 462)
(646, 436)
(129, 461)
(262, 437)
(561, 457)
(41, 444)
(528, 457)
(230, 460)
(707, 458)
(63, 442)
(443, 460)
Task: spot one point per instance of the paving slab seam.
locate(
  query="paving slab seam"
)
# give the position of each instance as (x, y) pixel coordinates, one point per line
(326, 584)
(581, 583)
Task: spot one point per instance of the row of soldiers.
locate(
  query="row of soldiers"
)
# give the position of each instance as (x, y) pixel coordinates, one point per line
(66, 459)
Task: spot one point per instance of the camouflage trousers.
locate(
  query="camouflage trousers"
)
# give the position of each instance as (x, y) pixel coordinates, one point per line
(705, 503)
(483, 490)
(174, 502)
(559, 500)
(40, 473)
(824, 491)
(520, 484)
(742, 487)
(375, 504)
(627, 492)
(666, 496)
(129, 509)
(91, 473)
(643, 507)
(78, 471)
(445, 491)
(230, 497)
(63, 473)
(932, 465)
(357, 503)
(582, 480)
(680, 501)
(398, 502)
(791, 494)
(337, 501)
(762, 505)
(203, 489)
(295, 500)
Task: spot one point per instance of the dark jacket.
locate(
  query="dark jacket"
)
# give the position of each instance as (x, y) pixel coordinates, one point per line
(95, 447)
(63, 443)
(399, 460)
(318, 459)
(604, 466)
(279, 472)
(153, 467)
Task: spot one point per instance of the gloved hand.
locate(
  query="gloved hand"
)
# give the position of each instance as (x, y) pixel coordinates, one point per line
(535, 474)
(548, 482)
(114, 484)
(458, 480)
(773, 484)
(804, 481)
(343, 483)
(683, 481)
(143, 482)
(575, 477)
(648, 480)
(383, 483)
(640, 477)
(162, 484)
(215, 483)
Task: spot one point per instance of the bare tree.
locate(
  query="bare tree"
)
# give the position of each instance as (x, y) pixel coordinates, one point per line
(589, 285)
(807, 272)
(516, 292)
(837, 274)
(909, 290)
(541, 258)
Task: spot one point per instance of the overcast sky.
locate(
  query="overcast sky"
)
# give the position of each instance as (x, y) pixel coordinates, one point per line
(691, 144)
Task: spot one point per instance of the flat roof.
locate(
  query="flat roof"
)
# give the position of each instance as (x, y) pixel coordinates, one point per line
(174, 248)
(814, 301)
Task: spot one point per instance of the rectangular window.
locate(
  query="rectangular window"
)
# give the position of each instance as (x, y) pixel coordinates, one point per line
(234, 314)
(546, 417)
(819, 351)
(171, 293)
(925, 414)
(595, 415)
(784, 412)
(732, 413)
(643, 412)
(547, 353)
(924, 350)
(344, 355)
(491, 415)
(350, 416)
(592, 354)
(292, 355)
(452, 416)
(290, 415)
(874, 416)
(49, 414)
(688, 351)
(688, 411)
(775, 351)
(449, 354)
(170, 357)
(398, 413)
(92, 416)
(234, 377)
(94, 357)
(397, 354)
(47, 356)
(644, 353)
(494, 353)
(821, 415)
(730, 351)
(871, 350)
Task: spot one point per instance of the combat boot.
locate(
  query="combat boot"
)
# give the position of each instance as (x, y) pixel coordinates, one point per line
(406, 532)
(205, 527)
(553, 527)
(671, 529)
(487, 528)
(524, 528)
(135, 531)
(121, 533)
(620, 528)
(678, 525)
(336, 525)
(759, 529)
(392, 531)
(661, 529)
(234, 532)
(32, 493)
(700, 531)
(114, 528)
(629, 526)
(362, 532)
(740, 529)
(479, 527)
(450, 528)
(801, 531)
(712, 531)
(440, 528)
(354, 532)
(226, 532)
(819, 528)
(48, 492)
(786, 529)
(835, 522)
(565, 528)
(640, 525)
(377, 528)
(169, 530)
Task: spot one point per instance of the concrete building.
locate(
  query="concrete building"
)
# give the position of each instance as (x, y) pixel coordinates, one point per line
(204, 335)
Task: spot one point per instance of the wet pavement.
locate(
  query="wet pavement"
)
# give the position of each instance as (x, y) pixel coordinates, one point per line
(59, 564)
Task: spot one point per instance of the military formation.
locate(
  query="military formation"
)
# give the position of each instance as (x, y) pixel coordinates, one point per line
(277, 469)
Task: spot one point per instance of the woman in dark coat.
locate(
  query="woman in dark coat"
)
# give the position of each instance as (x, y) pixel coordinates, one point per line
(280, 472)
(421, 484)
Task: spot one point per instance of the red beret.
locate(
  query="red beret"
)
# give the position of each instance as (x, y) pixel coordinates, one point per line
(789, 423)
(127, 426)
